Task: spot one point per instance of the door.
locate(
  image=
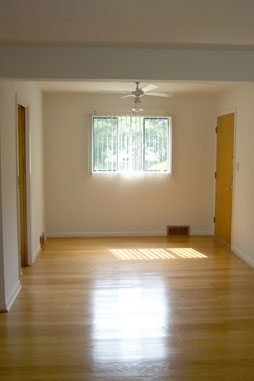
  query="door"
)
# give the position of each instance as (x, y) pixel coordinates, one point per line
(224, 177)
(22, 185)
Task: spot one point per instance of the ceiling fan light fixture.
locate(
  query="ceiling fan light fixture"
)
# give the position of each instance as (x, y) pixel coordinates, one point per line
(137, 107)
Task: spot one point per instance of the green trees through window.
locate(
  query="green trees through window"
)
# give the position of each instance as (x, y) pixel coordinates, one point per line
(131, 144)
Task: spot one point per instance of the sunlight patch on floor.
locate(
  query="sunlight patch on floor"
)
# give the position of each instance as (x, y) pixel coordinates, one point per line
(152, 254)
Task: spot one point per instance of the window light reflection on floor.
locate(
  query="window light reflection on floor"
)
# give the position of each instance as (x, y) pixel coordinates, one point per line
(152, 254)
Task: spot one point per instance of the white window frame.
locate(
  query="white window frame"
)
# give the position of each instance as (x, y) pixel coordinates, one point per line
(143, 171)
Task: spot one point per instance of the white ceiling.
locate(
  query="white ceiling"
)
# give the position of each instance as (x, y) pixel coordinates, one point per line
(119, 87)
(148, 23)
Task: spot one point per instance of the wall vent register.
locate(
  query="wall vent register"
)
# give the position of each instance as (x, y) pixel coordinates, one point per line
(178, 230)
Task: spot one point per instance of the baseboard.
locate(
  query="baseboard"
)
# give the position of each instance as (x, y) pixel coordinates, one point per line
(159, 233)
(13, 295)
(200, 232)
(243, 256)
(106, 234)
(36, 253)
(222, 242)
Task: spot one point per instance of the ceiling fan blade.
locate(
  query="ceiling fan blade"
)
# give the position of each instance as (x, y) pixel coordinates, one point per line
(149, 87)
(165, 95)
(126, 96)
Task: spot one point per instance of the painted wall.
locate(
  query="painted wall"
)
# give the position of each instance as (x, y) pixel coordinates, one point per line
(242, 98)
(79, 62)
(29, 95)
(78, 203)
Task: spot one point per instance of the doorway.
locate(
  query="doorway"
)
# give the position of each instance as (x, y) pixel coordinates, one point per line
(22, 188)
(224, 177)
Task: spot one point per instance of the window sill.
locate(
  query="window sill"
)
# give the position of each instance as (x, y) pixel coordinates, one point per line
(130, 174)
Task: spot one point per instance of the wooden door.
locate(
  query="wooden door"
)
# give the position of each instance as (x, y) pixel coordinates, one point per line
(22, 186)
(224, 177)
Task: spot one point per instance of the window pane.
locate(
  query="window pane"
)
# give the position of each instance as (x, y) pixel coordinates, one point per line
(124, 138)
(137, 140)
(156, 144)
(104, 143)
(130, 143)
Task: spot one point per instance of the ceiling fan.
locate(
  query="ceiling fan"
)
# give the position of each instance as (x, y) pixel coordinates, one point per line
(145, 90)
(140, 92)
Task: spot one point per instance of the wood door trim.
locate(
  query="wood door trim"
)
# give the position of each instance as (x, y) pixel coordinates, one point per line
(22, 185)
(19, 100)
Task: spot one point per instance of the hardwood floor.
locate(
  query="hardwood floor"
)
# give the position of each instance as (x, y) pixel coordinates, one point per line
(86, 313)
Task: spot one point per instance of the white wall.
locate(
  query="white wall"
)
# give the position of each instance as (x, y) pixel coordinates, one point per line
(29, 95)
(78, 203)
(242, 98)
(81, 62)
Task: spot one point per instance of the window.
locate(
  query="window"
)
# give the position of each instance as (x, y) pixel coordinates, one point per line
(131, 144)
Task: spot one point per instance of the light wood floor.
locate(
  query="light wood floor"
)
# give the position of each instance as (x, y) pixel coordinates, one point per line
(86, 314)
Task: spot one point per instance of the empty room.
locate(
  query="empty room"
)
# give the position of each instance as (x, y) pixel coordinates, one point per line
(126, 190)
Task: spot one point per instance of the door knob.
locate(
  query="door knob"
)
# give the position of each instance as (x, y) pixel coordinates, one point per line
(229, 188)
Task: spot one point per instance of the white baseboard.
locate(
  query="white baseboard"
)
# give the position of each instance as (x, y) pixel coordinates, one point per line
(245, 257)
(159, 233)
(36, 253)
(106, 234)
(10, 299)
(200, 232)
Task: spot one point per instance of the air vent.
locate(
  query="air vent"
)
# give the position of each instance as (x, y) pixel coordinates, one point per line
(178, 230)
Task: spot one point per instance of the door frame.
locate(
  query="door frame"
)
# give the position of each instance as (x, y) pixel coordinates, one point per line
(232, 110)
(22, 102)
